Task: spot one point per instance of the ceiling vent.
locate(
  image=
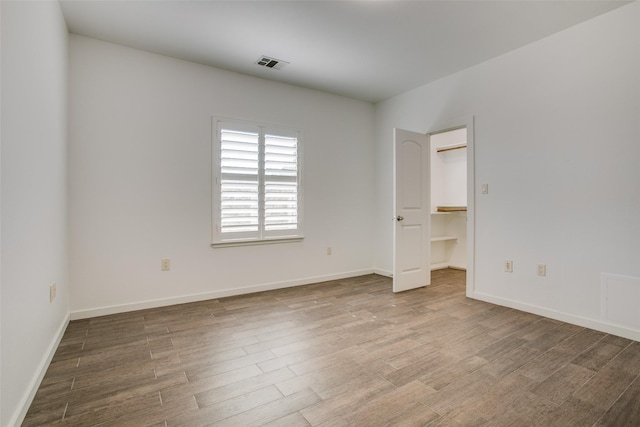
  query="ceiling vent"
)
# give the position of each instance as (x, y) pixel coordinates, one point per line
(269, 62)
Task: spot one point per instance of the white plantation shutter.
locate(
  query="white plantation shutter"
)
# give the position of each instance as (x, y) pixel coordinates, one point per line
(257, 188)
(239, 186)
(280, 183)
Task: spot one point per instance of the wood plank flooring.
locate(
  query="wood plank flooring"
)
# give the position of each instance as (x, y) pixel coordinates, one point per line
(341, 353)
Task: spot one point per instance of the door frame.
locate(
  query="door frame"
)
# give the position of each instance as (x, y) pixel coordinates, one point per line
(446, 125)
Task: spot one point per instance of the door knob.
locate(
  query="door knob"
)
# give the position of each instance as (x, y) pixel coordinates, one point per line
(399, 218)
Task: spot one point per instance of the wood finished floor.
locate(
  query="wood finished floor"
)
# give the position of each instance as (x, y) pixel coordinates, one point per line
(341, 353)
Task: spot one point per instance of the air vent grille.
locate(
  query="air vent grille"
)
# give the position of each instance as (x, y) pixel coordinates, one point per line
(267, 61)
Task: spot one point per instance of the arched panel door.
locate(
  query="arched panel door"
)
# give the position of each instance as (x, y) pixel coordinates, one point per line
(411, 252)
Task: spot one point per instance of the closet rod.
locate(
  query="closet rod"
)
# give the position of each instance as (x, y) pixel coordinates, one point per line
(451, 147)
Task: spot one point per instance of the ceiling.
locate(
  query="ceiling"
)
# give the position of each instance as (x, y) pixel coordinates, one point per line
(368, 50)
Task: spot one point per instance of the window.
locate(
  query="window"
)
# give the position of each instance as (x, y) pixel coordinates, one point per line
(257, 191)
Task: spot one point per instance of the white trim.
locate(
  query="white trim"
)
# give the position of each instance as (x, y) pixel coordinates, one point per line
(251, 242)
(443, 265)
(34, 384)
(586, 322)
(123, 308)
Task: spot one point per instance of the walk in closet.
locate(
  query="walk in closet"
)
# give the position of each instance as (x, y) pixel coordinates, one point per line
(449, 199)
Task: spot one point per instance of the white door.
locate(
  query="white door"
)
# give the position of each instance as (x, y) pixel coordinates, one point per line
(412, 187)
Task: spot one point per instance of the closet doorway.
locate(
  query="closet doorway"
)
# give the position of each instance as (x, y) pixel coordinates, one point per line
(443, 235)
(448, 209)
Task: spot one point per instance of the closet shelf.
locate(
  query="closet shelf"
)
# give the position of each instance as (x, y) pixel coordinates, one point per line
(451, 147)
(443, 238)
(451, 208)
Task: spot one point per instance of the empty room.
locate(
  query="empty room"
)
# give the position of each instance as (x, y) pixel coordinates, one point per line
(320, 213)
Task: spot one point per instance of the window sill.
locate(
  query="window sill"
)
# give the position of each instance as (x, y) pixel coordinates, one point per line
(271, 241)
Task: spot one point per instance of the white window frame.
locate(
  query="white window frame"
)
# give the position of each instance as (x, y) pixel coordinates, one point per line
(261, 236)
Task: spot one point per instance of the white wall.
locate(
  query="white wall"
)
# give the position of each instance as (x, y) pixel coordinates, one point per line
(557, 124)
(448, 170)
(34, 196)
(140, 180)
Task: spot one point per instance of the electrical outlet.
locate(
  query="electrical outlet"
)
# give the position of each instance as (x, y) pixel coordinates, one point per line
(165, 264)
(508, 266)
(542, 269)
(329, 250)
(52, 292)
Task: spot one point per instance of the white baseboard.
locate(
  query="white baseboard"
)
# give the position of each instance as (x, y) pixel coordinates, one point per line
(34, 384)
(385, 273)
(122, 308)
(443, 265)
(586, 322)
